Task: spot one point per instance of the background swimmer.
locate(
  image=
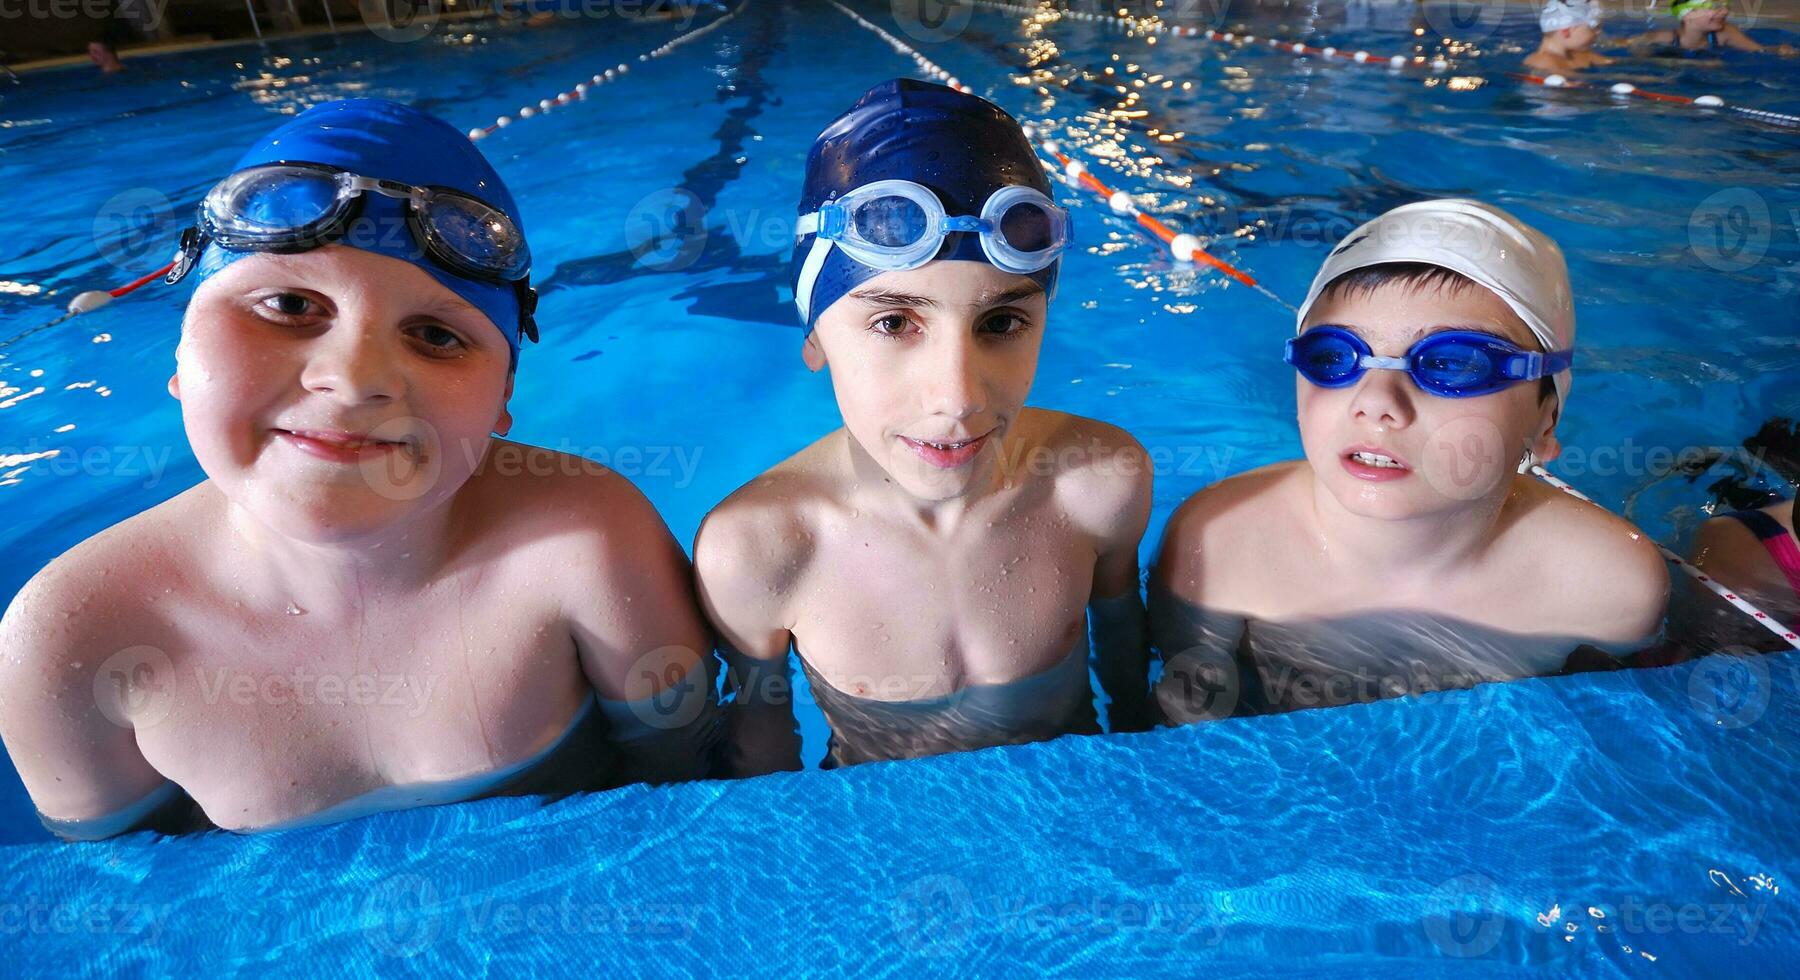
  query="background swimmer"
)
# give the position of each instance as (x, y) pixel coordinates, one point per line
(935, 560)
(1570, 29)
(371, 602)
(1406, 552)
(1704, 24)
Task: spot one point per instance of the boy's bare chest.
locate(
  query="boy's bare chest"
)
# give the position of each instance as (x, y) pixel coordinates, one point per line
(902, 616)
(263, 717)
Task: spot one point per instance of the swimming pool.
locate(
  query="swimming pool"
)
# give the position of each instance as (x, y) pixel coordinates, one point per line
(1654, 803)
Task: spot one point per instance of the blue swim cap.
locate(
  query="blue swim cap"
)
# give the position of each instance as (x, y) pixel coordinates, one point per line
(962, 147)
(389, 140)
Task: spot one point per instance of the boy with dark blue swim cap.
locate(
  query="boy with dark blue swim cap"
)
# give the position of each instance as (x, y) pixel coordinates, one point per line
(935, 560)
(372, 602)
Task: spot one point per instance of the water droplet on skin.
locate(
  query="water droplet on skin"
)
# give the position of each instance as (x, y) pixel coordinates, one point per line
(293, 610)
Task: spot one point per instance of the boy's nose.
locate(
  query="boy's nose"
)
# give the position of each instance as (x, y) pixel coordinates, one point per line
(1385, 398)
(954, 384)
(351, 363)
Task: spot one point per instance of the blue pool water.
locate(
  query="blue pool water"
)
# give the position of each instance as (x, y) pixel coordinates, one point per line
(1498, 828)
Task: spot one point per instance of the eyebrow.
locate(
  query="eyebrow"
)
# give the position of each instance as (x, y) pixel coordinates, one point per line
(883, 297)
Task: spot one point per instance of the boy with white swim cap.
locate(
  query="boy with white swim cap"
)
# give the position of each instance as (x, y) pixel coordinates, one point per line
(1570, 29)
(936, 561)
(1407, 551)
(373, 601)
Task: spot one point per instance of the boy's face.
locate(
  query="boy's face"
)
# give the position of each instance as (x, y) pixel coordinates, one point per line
(1448, 451)
(1580, 37)
(930, 366)
(336, 392)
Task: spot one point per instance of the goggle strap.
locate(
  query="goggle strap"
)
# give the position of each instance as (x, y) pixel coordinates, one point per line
(808, 224)
(809, 276)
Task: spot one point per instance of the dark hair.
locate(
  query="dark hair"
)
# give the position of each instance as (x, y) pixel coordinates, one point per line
(1416, 277)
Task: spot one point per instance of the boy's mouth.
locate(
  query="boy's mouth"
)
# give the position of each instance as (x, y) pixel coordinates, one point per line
(337, 446)
(1372, 464)
(946, 454)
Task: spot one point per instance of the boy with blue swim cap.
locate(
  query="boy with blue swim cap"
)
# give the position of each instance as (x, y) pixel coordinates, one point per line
(934, 562)
(1408, 551)
(373, 601)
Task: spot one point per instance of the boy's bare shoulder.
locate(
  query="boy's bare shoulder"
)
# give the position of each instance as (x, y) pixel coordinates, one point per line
(1103, 476)
(105, 592)
(1600, 576)
(765, 530)
(1226, 522)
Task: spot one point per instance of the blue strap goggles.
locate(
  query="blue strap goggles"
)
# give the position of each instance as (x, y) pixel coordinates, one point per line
(1450, 364)
(295, 207)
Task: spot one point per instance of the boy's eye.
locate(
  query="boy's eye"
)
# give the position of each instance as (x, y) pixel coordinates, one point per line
(438, 337)
(288, 305)
(890, 325)
(1005, 324)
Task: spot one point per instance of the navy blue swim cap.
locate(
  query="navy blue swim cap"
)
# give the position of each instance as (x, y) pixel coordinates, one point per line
(392, 141)
(960, 146)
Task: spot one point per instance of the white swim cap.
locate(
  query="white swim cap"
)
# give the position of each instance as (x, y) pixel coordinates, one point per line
(1514, 261)
(1558, 14)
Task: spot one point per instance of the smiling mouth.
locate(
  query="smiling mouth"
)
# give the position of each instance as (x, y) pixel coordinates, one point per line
(338, 446)
(946, 454)
(1377, 460)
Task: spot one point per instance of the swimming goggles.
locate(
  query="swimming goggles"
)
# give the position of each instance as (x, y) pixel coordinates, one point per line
(295, 207)
(897, 224)
(1450, 364)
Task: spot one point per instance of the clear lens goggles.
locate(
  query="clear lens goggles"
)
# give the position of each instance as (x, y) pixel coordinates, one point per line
(897, 224)
(1451, 364)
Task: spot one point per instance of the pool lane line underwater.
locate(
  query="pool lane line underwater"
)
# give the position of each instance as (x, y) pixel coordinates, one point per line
(1117, 200)
(93, 299)
(1152, 26)
(1185, 248)
(580, 91)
